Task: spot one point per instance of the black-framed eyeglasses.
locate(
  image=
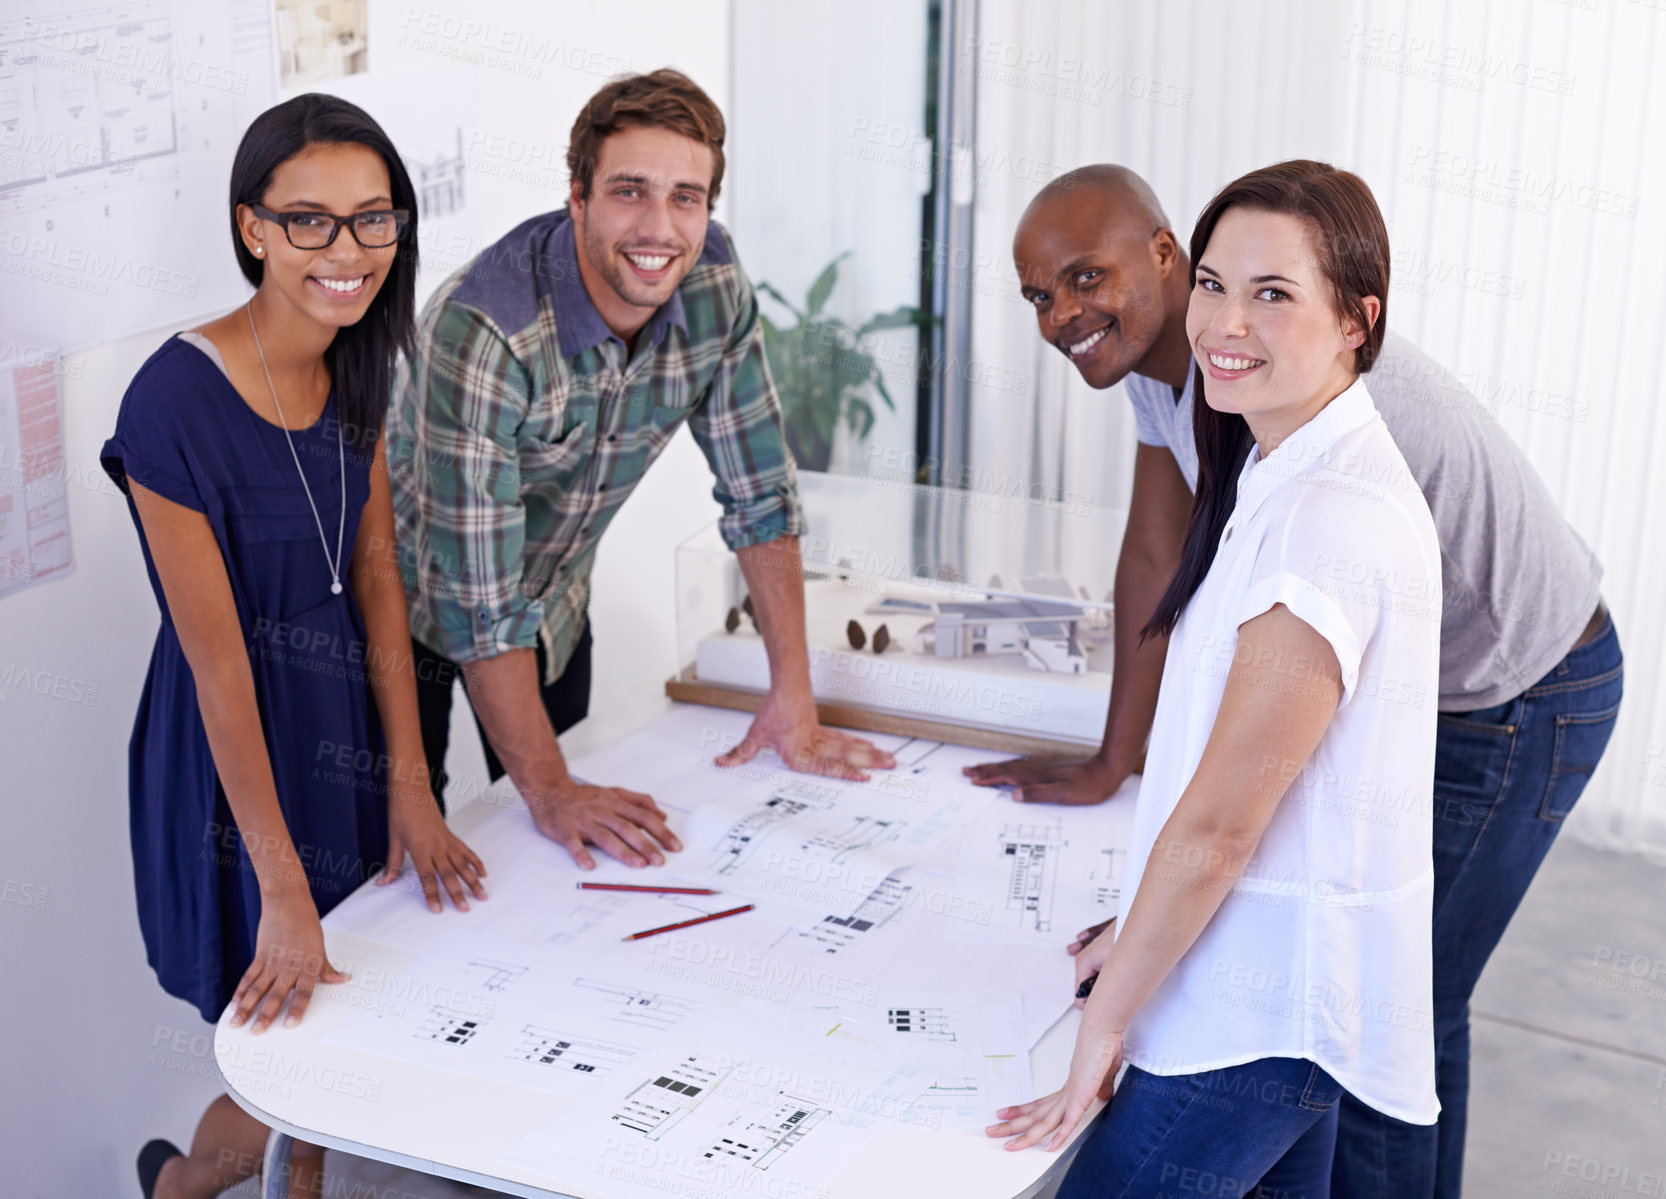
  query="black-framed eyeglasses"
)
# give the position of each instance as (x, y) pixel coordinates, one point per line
(315, 230)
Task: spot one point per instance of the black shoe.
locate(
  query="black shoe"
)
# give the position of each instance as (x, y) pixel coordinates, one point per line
(152, 1158)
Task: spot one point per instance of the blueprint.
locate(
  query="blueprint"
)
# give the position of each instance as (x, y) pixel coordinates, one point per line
(904, 951)
(117, 130)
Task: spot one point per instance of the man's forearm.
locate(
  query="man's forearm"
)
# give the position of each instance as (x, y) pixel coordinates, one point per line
(1137, 670)
(505, 694)
(774, 575)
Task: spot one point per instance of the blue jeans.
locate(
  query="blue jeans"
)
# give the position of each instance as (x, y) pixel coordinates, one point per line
(1265, 1128)
(1504, 779)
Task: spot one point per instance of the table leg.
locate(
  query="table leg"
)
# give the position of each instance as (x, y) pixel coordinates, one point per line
(274, 1171)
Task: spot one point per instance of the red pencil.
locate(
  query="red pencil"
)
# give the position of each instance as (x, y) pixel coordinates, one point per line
(649, 889)
(671, 928)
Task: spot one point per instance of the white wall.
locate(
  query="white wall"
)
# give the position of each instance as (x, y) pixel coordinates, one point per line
(84, 1085)
(1514, 151)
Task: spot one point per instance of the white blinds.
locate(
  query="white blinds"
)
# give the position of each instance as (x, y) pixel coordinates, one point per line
(1516, 149)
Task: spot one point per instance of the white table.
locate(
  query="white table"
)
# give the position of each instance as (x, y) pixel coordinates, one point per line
(458, 1126)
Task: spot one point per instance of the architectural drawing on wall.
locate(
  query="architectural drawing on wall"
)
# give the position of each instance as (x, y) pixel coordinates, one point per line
(448, 1026)
(794, 801)
(439, 182)
(659, 1103)
(82, 117)
(1032, 857)
(34, 504)
(639, 1006)
(561, 1051)
(761, 1142)
(117, 130)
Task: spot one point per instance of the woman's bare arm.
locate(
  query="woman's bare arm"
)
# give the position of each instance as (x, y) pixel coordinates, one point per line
(194, 582)
(1281, 693)
(414, 822)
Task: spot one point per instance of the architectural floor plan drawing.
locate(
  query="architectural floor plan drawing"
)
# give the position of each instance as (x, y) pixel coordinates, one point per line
(1107, 892)
(495, 976)
(447, 1026)
(927, 1023)
(656, 1105)
(563, 1051)
(117, 132)
(639, 1006)
(749, 1141)
(796, 801)
(860, 994)
(1032, 851)
(790, 1104)
(1042, 873)
(864, 831)
(834, 934)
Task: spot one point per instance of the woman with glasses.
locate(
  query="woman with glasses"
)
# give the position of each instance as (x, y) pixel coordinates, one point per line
(264, 785)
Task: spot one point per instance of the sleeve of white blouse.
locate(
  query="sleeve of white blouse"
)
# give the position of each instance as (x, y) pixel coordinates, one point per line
(1328, 570)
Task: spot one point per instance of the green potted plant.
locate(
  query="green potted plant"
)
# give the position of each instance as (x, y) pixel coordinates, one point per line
(824, 370)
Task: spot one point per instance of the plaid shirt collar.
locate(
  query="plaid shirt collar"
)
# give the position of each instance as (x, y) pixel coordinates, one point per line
(578, 324)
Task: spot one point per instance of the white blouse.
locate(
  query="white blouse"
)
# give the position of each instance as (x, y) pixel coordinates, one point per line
(1321, 950)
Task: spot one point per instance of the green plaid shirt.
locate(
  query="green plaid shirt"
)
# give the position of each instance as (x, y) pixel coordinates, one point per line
(520, 428)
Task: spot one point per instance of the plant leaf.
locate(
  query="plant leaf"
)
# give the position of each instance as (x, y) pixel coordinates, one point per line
(884, 392)
(823, 286)
(895, 319)
(780, 299)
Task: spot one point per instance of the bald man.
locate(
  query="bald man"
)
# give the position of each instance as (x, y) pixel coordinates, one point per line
(1530, 671)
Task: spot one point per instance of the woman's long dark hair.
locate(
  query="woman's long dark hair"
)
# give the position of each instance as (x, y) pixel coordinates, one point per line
(361, 357)
(1352, 242)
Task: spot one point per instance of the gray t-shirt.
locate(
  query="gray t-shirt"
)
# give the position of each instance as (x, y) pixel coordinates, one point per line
(1519, 583)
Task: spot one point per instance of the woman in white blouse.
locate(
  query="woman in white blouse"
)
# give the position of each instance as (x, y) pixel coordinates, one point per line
(1277, 947)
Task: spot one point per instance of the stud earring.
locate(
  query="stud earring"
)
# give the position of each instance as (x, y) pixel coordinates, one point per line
(259, 250)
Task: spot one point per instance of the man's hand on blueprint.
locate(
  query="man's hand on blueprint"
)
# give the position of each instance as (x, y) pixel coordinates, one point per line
(791, 728)
(626, 824)
(1051, 779)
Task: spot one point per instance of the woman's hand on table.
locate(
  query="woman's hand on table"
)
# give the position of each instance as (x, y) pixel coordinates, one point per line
(289, 956)
(1052, 1118)
(438, 856)
(1073, 782)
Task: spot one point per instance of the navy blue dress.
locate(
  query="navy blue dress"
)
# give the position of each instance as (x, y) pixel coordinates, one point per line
(185, 433)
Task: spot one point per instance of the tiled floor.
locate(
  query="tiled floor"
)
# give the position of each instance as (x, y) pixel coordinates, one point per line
(1569, 1030)
(1568, 1087)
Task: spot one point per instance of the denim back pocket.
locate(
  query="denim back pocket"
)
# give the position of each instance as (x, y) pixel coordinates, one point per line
(1580, 739)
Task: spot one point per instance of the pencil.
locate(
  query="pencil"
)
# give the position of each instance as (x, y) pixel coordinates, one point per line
(670, 928)
(647, 889)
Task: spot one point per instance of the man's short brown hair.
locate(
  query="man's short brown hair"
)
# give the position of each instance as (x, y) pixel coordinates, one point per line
(664, 99)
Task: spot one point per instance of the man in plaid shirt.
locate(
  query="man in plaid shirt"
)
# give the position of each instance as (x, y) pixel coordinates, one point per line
(549, 374)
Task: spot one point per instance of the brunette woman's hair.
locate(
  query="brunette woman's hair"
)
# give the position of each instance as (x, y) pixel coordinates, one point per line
(361, 357)
(1351, 240)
